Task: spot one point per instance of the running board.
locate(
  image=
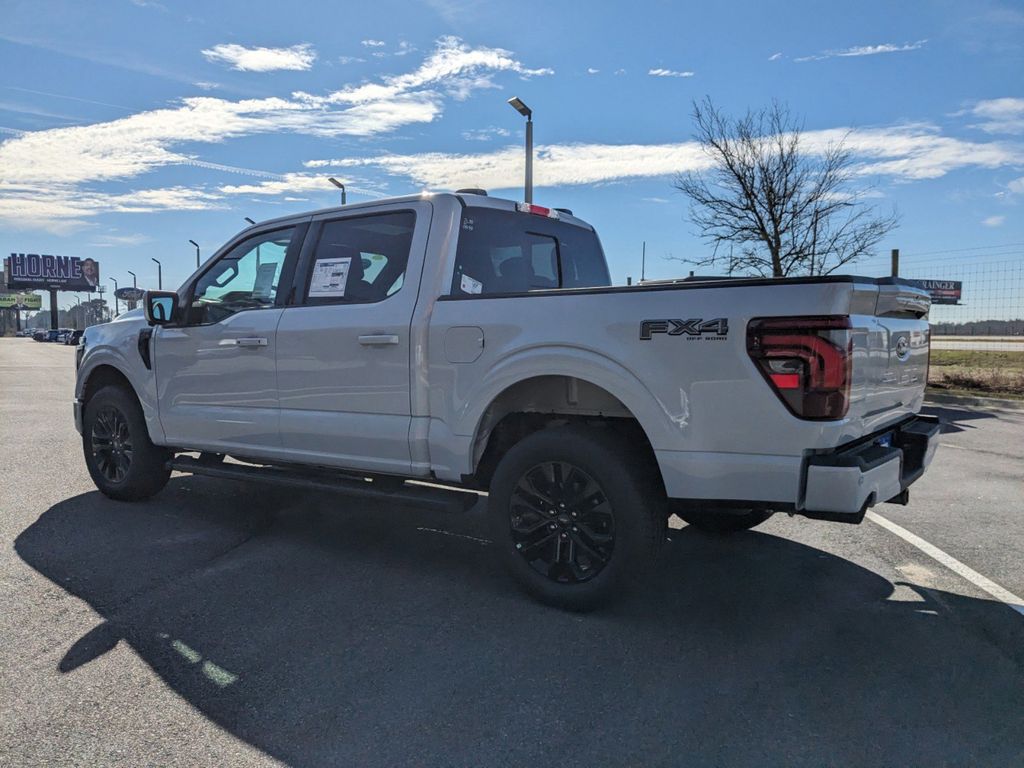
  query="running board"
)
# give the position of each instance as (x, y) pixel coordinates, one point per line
(441, 499)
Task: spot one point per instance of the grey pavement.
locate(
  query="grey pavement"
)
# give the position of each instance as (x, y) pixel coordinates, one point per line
(227, 624)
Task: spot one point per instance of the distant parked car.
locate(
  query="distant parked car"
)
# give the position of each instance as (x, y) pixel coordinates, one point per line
(39, 334)
(73, 337)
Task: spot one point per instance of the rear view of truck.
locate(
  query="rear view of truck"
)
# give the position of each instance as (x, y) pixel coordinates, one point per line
(869, 370)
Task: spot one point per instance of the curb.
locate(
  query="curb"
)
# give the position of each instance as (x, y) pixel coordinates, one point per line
(989, 402)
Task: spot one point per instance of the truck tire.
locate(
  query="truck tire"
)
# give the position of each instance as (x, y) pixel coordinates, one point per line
(722, 522)
(575, 515)
(122, 460)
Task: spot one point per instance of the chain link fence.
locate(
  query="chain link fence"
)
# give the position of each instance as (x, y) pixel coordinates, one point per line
(991, 287)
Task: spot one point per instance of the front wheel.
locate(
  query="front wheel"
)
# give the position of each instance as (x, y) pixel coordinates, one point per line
(121, 459)
(575, 515)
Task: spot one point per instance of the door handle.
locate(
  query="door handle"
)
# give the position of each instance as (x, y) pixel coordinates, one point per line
(378, 339)
(251, 341)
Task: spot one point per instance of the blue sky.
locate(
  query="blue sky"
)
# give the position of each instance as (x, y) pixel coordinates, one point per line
(128, 127)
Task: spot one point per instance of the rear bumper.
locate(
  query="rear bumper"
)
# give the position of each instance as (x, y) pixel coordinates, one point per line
(842, 484)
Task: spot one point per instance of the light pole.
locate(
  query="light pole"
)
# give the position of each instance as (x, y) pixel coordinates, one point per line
(340, 186)
(159, 274)
(525, 111)
(117, 306)
(251, 222)
(197, 252)
(77, 306)
(135, 282)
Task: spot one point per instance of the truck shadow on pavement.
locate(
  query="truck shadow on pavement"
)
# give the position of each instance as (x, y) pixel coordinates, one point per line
(957, 419)
(329, 632)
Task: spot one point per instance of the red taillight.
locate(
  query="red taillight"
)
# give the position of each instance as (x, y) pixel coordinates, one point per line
(807, 361)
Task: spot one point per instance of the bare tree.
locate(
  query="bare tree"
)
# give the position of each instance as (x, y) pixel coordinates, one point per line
(771, 205)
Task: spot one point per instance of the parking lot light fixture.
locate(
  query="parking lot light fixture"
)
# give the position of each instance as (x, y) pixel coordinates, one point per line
(135, 282)
(340, 186)
(117, 306)
(159, 275)
(197, 252)
(520, 107)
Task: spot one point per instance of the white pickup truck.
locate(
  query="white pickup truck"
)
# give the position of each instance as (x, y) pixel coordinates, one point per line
(419, 347)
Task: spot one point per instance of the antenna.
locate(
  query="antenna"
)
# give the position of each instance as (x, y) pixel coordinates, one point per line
(643, 261)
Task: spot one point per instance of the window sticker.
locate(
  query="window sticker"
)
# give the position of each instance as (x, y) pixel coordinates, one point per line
(264, 285)
(469, 285)
(329, 278)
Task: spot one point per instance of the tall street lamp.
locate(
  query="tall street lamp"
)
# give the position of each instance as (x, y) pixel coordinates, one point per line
(159, 275)
(117, 306)
(340, 186)
(135, 282)
(197, 252)
(525, 111)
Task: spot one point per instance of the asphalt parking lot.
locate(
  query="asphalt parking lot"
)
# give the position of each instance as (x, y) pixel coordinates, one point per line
(222, 624)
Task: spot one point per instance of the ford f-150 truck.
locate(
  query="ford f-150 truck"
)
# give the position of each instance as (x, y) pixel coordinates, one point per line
(421, 347)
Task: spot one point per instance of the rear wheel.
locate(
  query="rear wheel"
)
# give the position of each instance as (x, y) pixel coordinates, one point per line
(576, 517)
(121, 459)
(724, 521)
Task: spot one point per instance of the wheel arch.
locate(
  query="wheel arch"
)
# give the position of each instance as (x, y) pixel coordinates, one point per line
(537, 402)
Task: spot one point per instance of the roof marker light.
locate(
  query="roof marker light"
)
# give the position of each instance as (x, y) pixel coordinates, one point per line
(537, 210)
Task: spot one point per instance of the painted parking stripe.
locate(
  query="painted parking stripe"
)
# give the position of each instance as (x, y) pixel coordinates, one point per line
(982, 582)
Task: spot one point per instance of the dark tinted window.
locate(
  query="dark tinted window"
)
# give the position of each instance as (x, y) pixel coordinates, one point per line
(361, 258)
(513, 252)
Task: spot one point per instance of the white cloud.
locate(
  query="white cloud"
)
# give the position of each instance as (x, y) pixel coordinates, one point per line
(775, 56)
(864, 50)
(140, 143)
(292, 183)
(1005, 115)
(994, 221)
(350, 59)
(113, 240)
(1016, 186)
(485, 134)
(205, 85)
(592, 71)
(903, 153)
(659, 200)
(297, 57)
(668, 73)
(373, 43)
(620, 71)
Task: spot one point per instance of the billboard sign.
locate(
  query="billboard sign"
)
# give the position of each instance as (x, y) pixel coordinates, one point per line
(129, 294)
(45, 271)
(941, 291)
(21, 301)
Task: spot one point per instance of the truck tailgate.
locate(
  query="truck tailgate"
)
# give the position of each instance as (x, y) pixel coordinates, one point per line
(890, 353)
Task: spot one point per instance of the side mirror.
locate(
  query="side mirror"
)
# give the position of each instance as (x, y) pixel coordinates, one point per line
(161, 307)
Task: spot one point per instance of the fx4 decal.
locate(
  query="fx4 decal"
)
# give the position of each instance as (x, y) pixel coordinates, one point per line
(694, 328)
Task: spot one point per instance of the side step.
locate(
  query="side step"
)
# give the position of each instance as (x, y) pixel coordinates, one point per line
(392, 489)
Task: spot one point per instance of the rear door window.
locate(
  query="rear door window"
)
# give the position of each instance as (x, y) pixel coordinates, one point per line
(512, 252)
(360, 259)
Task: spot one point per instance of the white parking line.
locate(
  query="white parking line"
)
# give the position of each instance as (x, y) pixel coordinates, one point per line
(982, 582)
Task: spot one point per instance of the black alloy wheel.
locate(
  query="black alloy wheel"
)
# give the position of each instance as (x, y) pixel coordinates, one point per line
(562, 522)
(112, 444)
